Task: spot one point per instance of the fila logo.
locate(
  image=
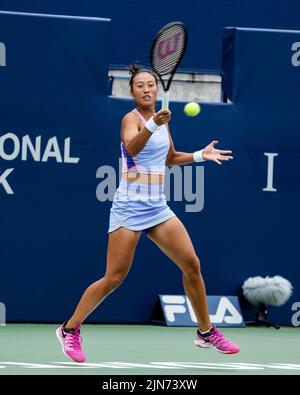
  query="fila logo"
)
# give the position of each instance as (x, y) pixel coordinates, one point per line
(175, 305)
(2, 54)
(178, 310)
(225, 307)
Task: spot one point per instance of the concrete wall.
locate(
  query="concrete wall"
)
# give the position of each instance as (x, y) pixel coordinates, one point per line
(185, 86)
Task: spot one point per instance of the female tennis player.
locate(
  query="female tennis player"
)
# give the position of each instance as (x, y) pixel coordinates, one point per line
(140, 206)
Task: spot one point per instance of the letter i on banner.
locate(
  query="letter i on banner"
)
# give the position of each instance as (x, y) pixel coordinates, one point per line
(269, 187)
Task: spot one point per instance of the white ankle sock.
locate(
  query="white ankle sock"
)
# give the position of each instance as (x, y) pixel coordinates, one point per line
(205, 332)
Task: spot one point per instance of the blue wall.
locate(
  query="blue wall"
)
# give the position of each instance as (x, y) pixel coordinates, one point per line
(54, 229)
(134, 23)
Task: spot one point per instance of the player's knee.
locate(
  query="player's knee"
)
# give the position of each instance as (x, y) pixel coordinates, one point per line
(193, 267)
(115, 280)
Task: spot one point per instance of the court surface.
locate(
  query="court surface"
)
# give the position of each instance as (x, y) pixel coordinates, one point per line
(148, 350)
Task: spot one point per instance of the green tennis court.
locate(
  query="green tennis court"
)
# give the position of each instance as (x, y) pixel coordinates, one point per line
(33, 349)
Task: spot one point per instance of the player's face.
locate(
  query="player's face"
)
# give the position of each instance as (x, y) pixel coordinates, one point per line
(144, 89)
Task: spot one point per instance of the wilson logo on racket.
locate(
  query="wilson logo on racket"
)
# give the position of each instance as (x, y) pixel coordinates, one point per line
(169, 46)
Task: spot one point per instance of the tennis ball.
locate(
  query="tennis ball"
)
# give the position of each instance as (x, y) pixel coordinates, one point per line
(192, 109)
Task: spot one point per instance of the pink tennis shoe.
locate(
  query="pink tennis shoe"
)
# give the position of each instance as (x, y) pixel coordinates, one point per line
(215, 339)
(71, 343)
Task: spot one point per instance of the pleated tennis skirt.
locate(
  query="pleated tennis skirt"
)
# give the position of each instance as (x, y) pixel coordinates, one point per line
(139, 207)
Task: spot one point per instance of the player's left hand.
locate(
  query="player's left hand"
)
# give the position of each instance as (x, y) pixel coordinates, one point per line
(215, 155)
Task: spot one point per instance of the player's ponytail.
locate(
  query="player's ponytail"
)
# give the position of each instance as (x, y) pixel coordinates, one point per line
(134, 68)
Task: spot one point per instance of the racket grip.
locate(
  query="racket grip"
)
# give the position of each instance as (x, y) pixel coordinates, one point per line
(165, 100)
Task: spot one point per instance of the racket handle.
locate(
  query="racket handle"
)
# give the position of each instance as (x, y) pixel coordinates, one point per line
(165, 100)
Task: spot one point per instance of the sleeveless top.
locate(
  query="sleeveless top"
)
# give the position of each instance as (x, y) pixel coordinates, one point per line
(152, 158)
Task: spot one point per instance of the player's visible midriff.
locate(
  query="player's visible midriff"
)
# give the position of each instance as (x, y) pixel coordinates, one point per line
(144, 178)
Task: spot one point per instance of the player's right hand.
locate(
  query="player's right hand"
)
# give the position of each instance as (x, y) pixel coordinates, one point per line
(162, 116)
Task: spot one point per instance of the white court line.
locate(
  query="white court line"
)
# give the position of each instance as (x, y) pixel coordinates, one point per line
(291, 366)
(203, 365)
(94, 365)
(142, 365)
(152, 365)
(29, 365)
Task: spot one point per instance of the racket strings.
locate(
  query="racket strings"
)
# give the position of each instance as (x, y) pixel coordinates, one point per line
(166, 66)
(168, 49)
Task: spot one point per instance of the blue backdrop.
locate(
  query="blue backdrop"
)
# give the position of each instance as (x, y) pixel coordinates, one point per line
(134, 23)
(58, 126)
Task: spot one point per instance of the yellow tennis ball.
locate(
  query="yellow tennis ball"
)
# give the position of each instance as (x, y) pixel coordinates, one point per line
(192, 109)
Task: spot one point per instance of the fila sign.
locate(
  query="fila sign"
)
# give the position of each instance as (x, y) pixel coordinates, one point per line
(224, 310)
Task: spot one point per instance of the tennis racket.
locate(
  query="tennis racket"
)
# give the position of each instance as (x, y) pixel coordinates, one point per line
(167, 50)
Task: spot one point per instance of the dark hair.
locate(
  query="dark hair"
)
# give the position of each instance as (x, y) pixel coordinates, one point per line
(136, 69)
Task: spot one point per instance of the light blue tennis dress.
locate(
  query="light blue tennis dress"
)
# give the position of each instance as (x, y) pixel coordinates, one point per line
(139, 206)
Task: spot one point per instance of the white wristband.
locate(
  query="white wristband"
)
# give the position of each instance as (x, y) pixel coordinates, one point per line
(198, 156)
(151, 125)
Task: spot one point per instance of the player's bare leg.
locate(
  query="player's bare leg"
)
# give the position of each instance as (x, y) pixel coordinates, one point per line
(120, 252)
(183, 254)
